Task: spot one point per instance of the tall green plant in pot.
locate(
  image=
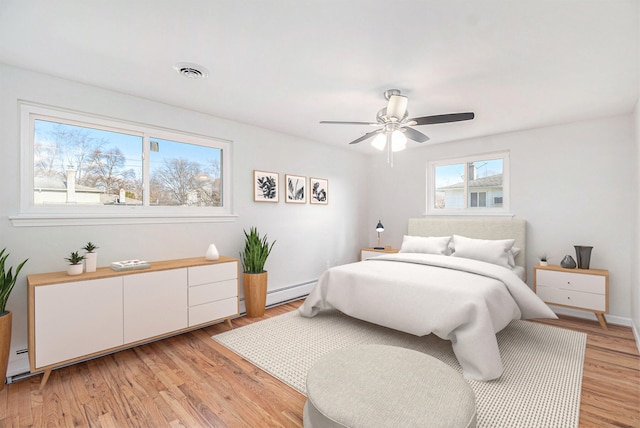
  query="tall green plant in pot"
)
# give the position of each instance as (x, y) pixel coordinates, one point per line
(255, 278)
(7, 281)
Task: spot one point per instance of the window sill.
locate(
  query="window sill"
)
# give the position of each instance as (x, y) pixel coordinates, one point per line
(44, 220)
(469, 213)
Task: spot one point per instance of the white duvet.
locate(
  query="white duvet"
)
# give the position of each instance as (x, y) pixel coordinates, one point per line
(461, 300)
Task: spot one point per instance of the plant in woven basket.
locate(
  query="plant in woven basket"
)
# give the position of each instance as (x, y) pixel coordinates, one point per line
(7, 279)
(256, 251)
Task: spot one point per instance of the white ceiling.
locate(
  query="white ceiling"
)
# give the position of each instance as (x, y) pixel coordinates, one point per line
(287, 64)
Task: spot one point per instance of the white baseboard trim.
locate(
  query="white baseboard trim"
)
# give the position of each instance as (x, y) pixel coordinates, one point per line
(611, 319)
(286, 294)
(636, 335)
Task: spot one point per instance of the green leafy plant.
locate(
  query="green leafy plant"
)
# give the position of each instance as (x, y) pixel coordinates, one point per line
(544, 258)
(74, 258)
(90, 247)
(256, 251)
(7, 279)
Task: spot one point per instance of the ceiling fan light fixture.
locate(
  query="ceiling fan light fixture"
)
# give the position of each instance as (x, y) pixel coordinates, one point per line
(397, 107)
(379, 141)
(398, 141)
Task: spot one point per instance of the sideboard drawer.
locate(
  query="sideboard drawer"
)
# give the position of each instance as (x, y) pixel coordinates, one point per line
(219, 272)
(213, 311)
(211, 292)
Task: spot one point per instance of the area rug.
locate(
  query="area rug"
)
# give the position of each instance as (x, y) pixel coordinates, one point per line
(540, 386)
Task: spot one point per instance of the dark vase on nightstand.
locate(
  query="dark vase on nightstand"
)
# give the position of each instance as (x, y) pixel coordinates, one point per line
(568, 262)
(583, 254)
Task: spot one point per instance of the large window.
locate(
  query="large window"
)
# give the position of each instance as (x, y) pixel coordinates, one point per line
(89, 167)
(477, 184)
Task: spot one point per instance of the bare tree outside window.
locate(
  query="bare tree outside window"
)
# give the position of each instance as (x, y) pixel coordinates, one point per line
(80, 160)
(178, 180)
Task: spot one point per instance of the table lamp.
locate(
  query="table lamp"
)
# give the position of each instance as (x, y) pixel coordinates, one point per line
(379, 229)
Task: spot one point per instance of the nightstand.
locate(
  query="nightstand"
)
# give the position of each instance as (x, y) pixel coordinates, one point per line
(372, 252)
(586, 289)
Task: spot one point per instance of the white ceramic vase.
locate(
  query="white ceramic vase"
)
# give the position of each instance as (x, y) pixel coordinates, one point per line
(90, 262)
(212, 253)
(75, 269)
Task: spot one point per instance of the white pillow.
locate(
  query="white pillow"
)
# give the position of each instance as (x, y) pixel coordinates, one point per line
(486, 250)
(428, 245)
(512, 256)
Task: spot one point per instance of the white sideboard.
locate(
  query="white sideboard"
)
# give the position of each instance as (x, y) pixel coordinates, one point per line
(72, 318)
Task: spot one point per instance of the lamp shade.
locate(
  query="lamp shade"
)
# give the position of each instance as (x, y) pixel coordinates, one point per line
(397, 107)
(398, 141)
(379, 141)
(379, 227)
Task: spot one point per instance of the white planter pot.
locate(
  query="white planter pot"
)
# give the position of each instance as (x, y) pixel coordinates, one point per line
(75, 269)
(90, 262)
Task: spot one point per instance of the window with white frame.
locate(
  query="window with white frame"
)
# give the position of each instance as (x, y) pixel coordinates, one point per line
(474, 184)
(86, 166)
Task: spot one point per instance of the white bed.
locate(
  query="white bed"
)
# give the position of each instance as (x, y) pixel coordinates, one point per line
(456, 298)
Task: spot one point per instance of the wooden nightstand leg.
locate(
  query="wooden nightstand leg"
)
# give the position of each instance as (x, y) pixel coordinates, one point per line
(601, 320)
(229, 322)
(45, 378)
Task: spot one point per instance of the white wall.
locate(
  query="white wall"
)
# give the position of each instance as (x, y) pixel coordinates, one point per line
(635, 272)
(309, 237)
(572, 183)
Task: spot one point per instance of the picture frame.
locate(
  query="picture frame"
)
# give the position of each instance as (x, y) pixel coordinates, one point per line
(318, 191)
(266, 186)
(295, 189)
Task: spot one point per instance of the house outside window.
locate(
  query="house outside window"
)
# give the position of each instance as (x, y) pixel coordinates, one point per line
(468, 185)
(86, 167)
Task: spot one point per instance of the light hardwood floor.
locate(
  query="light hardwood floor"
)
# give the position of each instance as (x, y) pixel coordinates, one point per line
(190, 380)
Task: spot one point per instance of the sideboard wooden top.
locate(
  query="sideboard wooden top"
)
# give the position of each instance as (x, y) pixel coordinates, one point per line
(39, 279)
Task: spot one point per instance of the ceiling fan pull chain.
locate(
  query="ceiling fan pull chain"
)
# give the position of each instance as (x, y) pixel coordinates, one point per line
(389, 150)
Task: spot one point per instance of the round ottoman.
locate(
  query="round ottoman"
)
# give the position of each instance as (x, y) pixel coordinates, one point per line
(386, 386)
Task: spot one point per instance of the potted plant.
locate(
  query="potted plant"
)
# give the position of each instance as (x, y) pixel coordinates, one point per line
(254, 278)
(75, 263)
(90, 257)
(544, 260)
(7, 281)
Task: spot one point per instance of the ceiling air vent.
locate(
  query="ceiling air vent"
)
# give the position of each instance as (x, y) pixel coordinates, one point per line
(190, 70)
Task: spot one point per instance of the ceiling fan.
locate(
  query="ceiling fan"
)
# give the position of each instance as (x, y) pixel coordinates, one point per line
(396, 126)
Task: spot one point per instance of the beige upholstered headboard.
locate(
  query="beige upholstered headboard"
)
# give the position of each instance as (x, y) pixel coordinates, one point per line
(479, 228)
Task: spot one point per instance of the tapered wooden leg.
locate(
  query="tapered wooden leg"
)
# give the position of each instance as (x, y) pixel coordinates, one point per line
(45, 378)
(601, 320)
(229, 322)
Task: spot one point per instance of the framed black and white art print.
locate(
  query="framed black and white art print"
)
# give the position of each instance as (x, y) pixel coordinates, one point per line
(319, 191)
(265, 186)
(296, 189)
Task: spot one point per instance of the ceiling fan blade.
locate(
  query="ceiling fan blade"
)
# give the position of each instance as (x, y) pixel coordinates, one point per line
(367, 136)
(441, 118)
(337, 122)
(415, 135)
